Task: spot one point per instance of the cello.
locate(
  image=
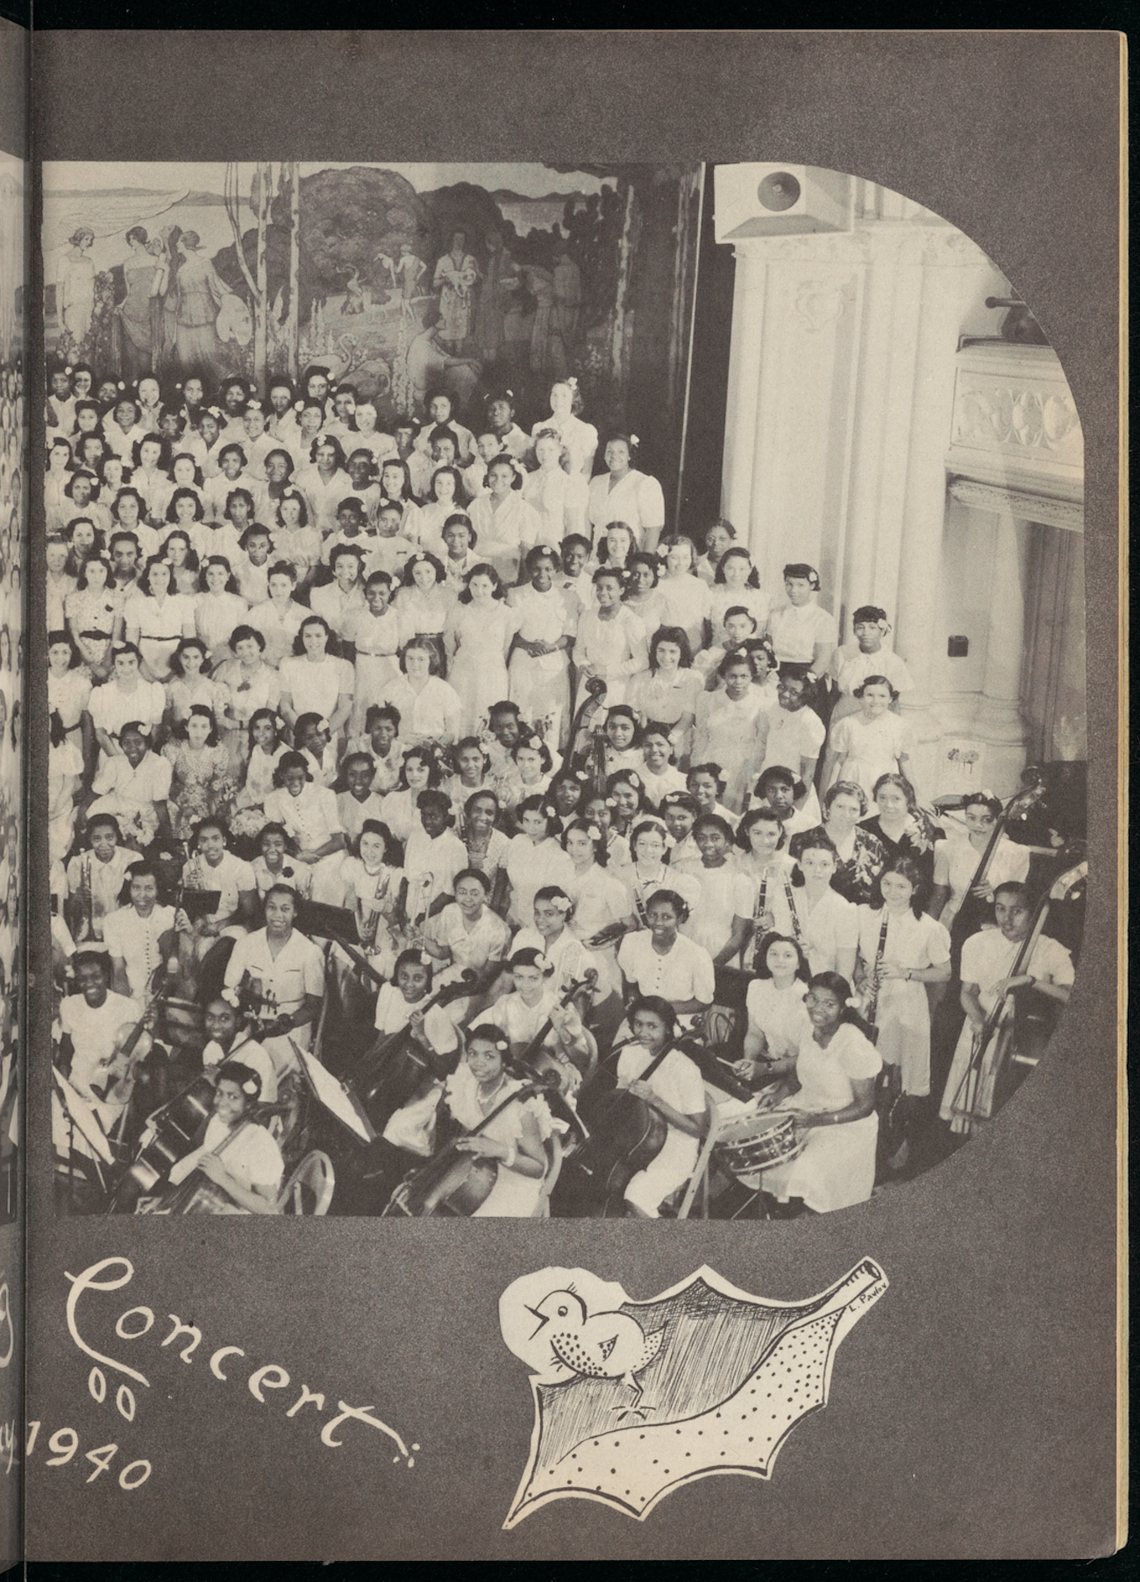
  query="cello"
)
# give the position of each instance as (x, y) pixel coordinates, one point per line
(535, 1061)
(624, 1135)
(453, 1184)
(390, 1073)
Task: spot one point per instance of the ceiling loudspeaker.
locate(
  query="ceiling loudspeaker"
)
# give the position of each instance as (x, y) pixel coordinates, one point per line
(779, 200)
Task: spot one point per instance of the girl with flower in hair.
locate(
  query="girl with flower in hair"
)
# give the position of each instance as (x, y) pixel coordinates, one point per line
(556, 491)
(579, 438)
(200, 785)
(237, 1154)
(134, 786)
(534, 1001)
(535, 857)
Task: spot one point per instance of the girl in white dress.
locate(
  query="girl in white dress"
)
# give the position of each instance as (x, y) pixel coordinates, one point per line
(622, 494)
(429, 707)
(867, 656)
(643, 597)
(579, 438)
(802, 633)
(956, 860)
(219, 609)
(687, 600)
(834, 1106)
(719, 537)
(777, 1019)
(535, 858)
(264, 753)
(668, 691)
(517, 1136)
(556, 492)
(237, 1154)
(732, 727)
(374, 632)
(900, 950)
(504, 519)
(420, 772)
(423, 604)
(315, 680)
(157, 620)
(599, 897)
(874, 742)
(478, 636)
(540, 664)
(736, 582)
(279, 618)
(310, 816)
(808, 909)
(673, 1086)
(763, 857)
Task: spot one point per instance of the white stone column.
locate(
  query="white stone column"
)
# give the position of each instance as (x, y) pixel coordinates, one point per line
(998, 721)
(741, 414)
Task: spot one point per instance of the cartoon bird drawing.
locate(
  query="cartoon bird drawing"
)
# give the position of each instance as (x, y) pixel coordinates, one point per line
(605, 1346)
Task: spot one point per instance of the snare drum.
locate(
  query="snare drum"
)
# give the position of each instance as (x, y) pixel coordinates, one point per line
(751, 1143)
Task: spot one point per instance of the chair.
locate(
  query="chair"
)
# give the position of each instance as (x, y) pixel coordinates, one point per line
(310, 1188)
(699, 1180)
(553, 1146)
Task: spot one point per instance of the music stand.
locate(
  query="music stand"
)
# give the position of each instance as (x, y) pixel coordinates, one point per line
(336, 1098)
(330, 922)
(198, 904)
(81, 1117)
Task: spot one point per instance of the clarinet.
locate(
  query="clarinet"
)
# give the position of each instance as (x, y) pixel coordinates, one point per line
(758, 913)
(872, 1004)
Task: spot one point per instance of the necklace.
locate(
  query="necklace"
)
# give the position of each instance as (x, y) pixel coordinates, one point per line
(486, 1099)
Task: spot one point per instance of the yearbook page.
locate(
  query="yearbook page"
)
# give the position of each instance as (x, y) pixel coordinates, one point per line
(15, 195)
(577, 576)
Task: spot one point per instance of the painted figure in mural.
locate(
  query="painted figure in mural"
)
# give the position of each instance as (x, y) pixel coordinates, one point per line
(353, 292)
(138, 313)
(75, 285)
(407, 271)
(497, 295)
(194, 294)
(456, 274)
(428, 366)
(567, 310)
(543, 329)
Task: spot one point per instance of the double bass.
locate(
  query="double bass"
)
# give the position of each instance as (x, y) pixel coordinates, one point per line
(390, 1073)
(975, 911)
(995, 1043)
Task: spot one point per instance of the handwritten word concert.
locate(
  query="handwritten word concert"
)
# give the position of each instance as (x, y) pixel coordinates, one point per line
(433, 832)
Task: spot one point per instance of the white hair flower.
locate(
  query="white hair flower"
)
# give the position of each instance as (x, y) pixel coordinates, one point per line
(231, 998)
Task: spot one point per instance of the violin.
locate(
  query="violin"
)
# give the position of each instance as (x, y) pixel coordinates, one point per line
(133, 1044)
